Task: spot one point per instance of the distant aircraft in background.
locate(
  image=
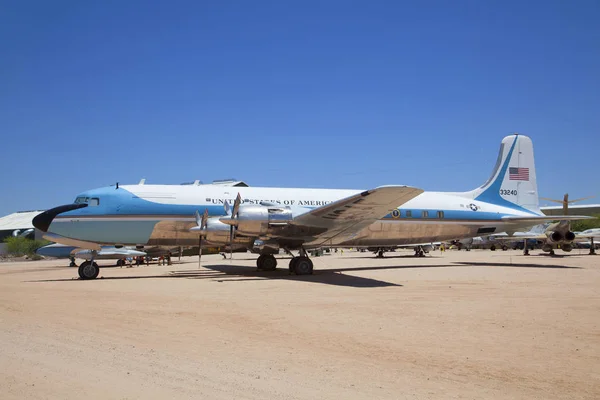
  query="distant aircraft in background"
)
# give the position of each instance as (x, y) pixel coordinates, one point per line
(58, 250)
(565, 202)
(503, 240)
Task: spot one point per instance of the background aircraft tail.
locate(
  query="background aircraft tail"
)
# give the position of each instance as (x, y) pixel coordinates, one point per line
(513, 181)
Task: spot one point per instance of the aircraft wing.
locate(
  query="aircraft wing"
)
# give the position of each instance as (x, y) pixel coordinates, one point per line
(53, 237)
(537, 219)
(520, 237)
(339, 221)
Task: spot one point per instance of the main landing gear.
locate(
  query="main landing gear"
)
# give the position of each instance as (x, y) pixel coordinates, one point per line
(301, 265)
(419, 252)
(266, 262)
(88, 270)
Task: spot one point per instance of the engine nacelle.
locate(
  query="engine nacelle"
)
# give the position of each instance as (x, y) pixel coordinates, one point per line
(569, 236)
(216, 231)
(256, 220)
(555, 237)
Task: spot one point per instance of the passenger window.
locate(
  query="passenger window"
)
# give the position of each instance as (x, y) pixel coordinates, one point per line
(425, 214)
(408, 214)
(94, 201)
(440, 214)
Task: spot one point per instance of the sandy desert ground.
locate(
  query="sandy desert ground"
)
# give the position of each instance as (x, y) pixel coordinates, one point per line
(477, 325)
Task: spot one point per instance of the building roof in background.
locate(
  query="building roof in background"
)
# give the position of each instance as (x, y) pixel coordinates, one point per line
(18, 220)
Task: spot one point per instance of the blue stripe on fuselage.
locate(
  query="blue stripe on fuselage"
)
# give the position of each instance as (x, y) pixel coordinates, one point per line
(466, 215)
(121, 202)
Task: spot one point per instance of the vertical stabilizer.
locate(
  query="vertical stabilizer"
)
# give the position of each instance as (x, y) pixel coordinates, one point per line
(513, 182)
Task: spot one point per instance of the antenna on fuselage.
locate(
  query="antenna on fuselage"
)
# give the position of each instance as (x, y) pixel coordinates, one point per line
(117, 185)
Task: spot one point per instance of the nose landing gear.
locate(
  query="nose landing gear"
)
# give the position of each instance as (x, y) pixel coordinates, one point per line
(88, 270)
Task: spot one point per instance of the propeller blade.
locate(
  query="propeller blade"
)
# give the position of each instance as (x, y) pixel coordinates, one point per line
(231, 242)
(553, 200)
(227, 208)
(202, 224)
(199, 249)
(204, 220)
(581, 199)
(236, 206)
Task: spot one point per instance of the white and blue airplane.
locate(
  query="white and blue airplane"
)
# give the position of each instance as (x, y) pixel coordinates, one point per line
(269, 219)
(58, 250)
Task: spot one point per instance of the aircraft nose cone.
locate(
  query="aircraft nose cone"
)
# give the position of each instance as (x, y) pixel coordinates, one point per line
(42, 221)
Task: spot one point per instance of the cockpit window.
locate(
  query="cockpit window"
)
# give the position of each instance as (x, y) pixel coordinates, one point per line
(81, 200)
(93, 201)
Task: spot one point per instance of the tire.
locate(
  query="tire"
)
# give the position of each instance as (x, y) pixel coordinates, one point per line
(120, 263)
(493, 248)
(88, 270)
(293, 263)
(259, 261)
(269, 263)
(303, 266)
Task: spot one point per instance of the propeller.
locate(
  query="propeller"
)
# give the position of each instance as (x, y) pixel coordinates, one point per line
(201, 221)
(231, 221)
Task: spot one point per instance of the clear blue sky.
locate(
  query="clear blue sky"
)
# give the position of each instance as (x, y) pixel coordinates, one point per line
(340, 94)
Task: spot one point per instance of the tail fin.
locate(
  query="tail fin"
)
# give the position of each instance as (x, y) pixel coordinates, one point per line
(513, 182)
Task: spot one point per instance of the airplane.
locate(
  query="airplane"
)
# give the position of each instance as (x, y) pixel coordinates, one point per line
(58, 250)
(590, 234)
(558, 235)
(565, 202)
(294, 219)
(503, 240)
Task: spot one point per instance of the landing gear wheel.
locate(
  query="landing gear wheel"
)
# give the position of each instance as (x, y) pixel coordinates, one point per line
(493, 248)
(269, 263)
(504, 248)
(259, 261)
(552, 252)
(293, 264)
(120, 263)
(88, 270)
(302, 266)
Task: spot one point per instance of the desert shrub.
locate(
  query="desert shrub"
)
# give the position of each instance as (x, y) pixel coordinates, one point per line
(21, 246)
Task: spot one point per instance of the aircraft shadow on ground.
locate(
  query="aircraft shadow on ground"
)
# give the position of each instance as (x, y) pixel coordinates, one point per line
(515, 265)
(334, 276)
(236, 273)
(387, 256)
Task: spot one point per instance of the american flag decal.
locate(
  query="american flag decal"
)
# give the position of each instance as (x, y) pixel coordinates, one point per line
(518, 174)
